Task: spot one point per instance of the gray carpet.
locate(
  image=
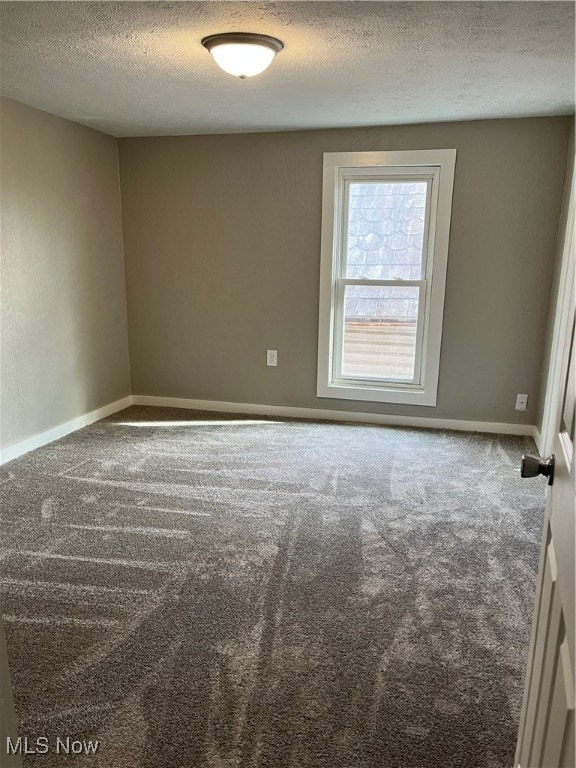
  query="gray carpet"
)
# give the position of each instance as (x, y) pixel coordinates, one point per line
(224, 592)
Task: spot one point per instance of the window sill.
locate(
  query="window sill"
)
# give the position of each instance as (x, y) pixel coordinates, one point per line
(378, 394)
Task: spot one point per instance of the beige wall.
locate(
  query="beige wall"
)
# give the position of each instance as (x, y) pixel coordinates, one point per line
(64, 341)
(554, 293)
(222, 241)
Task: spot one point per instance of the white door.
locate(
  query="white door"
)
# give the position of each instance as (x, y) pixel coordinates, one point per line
(546, 736)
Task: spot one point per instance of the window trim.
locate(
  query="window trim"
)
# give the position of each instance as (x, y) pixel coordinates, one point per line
(340, 167)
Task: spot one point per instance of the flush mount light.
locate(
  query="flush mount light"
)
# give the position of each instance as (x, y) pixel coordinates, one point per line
(242, 53)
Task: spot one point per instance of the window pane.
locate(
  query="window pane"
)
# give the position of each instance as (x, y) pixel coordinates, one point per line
(385, 230)
(380, 332)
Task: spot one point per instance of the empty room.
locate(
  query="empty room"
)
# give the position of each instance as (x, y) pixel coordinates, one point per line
(287, 384)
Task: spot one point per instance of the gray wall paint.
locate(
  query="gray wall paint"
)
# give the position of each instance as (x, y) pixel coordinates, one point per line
(64, 339)
(222, 243)
(554, 294)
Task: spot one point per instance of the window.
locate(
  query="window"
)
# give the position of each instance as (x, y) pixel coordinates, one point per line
(385, 228)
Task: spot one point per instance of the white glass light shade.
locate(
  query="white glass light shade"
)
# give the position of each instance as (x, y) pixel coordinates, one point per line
(241, 53)
(242, 60)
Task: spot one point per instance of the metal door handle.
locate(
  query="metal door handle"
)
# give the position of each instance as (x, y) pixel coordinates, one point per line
(532, 466)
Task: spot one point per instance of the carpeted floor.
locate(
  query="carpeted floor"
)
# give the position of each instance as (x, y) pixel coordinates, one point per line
(198, 590)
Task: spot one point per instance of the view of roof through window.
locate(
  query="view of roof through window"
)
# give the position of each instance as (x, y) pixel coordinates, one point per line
(385, 239)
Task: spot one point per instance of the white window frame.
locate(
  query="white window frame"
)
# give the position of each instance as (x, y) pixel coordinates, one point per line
(436, 168)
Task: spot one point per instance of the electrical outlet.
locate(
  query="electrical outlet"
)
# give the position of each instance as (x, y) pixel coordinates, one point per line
(271, 357)
(521, 402)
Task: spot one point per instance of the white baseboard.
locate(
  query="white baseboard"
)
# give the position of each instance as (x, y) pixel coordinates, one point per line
(36, 441)
(43, 438)
(330, 415)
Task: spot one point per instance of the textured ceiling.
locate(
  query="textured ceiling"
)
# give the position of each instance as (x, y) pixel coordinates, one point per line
(137, 68)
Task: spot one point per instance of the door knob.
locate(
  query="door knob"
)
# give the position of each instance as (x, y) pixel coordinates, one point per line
(531, 466)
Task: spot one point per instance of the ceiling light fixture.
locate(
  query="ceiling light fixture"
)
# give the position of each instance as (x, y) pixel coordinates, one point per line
(242, 54)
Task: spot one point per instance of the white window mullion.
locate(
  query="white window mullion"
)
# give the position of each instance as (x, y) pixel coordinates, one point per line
(338, 332)
(384, 283)
(422, 313)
